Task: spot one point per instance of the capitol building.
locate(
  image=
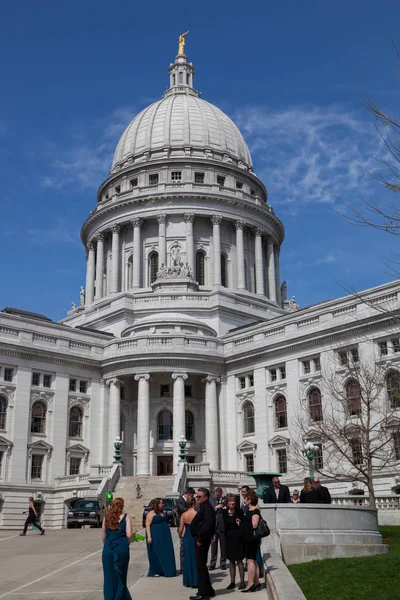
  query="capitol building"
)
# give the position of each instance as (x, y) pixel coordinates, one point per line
(183, 326)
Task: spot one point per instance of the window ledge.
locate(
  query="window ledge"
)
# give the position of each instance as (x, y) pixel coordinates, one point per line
(246, 435)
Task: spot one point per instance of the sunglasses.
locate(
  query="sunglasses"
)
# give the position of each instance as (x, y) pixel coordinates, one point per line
(199, 497)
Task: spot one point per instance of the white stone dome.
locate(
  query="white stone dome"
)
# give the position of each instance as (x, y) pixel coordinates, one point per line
(181, 124)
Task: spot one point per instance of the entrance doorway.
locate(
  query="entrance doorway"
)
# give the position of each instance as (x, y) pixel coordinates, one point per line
(164, 465)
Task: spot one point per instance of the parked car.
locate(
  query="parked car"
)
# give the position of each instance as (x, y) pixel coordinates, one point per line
(86, 511)
(169, 509)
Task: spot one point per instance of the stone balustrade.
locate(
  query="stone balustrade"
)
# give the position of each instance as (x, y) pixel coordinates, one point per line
(72, 480)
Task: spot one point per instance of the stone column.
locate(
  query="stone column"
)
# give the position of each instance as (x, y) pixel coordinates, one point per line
(216, 221)
(189, 218)
(143, 424)
(278, 277)
(211, 410)
(271, 269)
(103, 421)
(259, 262)
(114, 414)
(136, 263)
(99, 266)
(114, 258)
(90, 274)
(162, 247)
(240, 255)
(178, 412)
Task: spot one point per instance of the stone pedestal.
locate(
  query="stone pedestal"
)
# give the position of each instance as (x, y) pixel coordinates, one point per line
(175, 285)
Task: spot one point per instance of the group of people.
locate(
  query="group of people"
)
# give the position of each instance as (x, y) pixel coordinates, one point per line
(312, 492)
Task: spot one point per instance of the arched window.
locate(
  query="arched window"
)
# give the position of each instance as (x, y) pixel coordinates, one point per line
(393, 389)
(224, 277)
(164, 425)
(281, 412)
(153, 267)
(353, 397)
(76, 422)
(180, 77)
(38, 420)
(248, 418)
(189, 426)
(356, 450)
(315, 404)
(129, 273)
(3, 412)
(200, 267)
(246, 276)
(173, 79)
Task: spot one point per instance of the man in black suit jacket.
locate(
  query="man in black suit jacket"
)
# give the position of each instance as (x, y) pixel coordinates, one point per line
(324, 492)
(181, 501)
(202, 529)
(219, 537)
(277, 494)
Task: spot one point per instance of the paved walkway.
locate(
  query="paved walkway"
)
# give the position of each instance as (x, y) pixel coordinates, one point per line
(66, 564)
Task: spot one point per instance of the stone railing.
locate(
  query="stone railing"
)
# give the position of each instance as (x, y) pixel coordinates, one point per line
(100, 470)
(72, 480)
(382, 502)
(109, 481)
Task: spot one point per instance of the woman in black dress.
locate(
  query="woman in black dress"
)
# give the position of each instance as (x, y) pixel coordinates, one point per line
(234, 547)
(248, 524)
(310, 494)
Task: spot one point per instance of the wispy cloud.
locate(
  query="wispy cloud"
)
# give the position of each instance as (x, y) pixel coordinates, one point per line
(311, 154)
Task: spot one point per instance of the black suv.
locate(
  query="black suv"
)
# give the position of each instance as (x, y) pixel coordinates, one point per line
(169, 509)
(86, 511)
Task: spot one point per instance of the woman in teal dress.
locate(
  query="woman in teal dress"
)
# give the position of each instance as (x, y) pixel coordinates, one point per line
(160, 548)
(116, 533)
(189, 569)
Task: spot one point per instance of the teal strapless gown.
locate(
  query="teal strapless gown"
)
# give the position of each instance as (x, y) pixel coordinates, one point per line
(161, 550)
(115, 563)
(189, 561)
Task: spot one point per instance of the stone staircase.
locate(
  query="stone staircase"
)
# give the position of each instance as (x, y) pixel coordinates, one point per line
(151, 486)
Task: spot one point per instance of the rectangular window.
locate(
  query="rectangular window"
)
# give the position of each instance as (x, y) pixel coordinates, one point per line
(317, 364)
(122, 392)
(396, 345)
(153, 179)
(282, 372)
(47, 381)
(356, 450)
(83, 386)
(188, 391)
(36, 466)
(396, 444)
(242, 382)
(164, 391)
(282, 460)
(249, 463)
(252, 192)
(239, 185)
(176, 175)
(1, 464)
(117, 189)
(318, 458)
(8, 374)
(273, 375)
(35, 378)
(220, 180)
(354, 355)
(74, 465)
(72, 385)
(199, 177)
(306, 367)
(342, 356)
(251, 380)
(383, 348)
(133, 182)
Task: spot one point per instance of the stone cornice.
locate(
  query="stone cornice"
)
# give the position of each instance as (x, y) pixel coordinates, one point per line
(52, 358)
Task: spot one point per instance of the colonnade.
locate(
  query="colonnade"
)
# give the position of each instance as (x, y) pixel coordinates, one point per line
(95, 256)
(143, 418)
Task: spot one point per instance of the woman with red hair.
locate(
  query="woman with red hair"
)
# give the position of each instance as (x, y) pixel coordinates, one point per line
(116, 533)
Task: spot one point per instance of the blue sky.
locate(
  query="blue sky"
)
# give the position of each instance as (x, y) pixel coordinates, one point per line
(291, 74)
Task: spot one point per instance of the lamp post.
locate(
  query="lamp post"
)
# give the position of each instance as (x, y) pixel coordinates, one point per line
(117, 451)
(309, 451)
(182, 449)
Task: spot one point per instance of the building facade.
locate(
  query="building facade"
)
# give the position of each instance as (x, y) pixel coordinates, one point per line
(183, 327)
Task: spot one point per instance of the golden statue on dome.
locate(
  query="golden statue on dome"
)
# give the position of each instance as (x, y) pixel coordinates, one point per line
(182, 43)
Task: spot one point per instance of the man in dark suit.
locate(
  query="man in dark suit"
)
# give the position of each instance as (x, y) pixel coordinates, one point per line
(202, 529)
(219, 537)
(181, 501)
(277, 494)
(324, 492)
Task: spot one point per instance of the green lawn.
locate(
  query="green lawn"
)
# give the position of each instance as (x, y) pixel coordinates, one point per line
(369, 578)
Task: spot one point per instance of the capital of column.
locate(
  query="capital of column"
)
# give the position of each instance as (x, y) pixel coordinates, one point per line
(216, 219)
(137, 222)
(239, 224)
(100, 237)
(259, 232)
(179, 376)
(112, 381)
(188, 217)
(116, 228)
(90, 247)
(161, 218)
(211, 378)
(145, 376)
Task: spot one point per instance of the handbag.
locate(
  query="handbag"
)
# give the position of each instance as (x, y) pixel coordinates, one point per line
(262, 530)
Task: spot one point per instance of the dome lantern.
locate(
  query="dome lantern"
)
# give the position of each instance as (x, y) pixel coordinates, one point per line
(181, 74)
